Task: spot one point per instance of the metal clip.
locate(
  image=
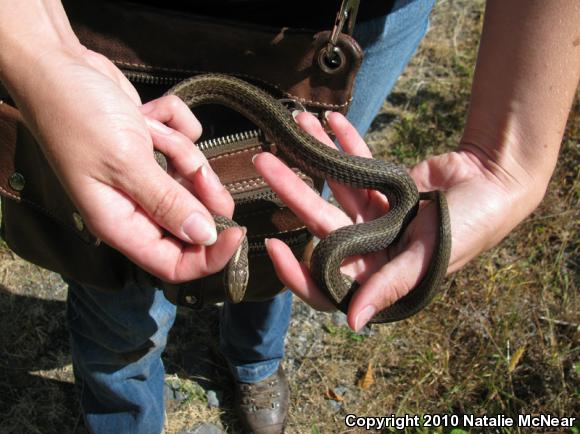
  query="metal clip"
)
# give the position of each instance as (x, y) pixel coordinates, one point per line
(331, 57)
(346, 15)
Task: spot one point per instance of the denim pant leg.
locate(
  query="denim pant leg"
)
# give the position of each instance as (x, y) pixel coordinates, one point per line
(252, 334)
(388, 44)
(117, 340)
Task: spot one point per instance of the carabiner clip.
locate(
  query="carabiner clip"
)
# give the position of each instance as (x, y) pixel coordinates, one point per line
(346, 15)
(331, 57)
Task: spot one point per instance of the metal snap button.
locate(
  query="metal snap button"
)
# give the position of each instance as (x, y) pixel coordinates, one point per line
(16, 181)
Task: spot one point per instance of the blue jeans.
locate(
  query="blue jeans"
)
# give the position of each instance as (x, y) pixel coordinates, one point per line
(117, 338)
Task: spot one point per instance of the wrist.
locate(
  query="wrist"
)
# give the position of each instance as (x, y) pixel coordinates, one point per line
(31, 35)
(26, 66)
(522, 190)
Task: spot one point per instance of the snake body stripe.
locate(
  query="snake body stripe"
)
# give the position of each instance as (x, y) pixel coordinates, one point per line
(313, 157)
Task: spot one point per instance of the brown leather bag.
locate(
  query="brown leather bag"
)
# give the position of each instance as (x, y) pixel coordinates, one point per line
(157, 48)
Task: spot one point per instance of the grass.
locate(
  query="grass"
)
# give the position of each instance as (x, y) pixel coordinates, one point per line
(501, 338)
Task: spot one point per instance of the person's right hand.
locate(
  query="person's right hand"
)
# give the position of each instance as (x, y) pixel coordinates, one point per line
(99, 140)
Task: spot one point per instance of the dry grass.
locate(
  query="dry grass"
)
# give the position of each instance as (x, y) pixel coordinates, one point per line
(502, 337)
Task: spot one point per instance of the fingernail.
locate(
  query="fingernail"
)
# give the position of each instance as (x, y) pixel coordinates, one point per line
(210, 176)
(363, 317)
(295, 114)
(159, 127)
(199, 230)
(326, 114)
(254, 158)
(266, 241)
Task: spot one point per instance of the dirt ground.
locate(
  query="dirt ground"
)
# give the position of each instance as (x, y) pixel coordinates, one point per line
(502, 337)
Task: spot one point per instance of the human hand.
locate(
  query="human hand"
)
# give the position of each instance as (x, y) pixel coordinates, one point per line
(480, 207)
(99, 140)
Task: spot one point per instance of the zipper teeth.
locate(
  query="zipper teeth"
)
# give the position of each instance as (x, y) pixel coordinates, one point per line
(228, 140)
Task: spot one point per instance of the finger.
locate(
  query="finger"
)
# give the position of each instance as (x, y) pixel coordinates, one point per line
(366, 204)
(191, 165)
(296, 276)
(202, 261)
(211, 192)
(125, 226)
(167, 202)
(174, 262)
(352, 200)
(398, 276)
(184, 156)
(309, 123)
(320, 217)
(171, 110)
(347, 135)
(188, 161)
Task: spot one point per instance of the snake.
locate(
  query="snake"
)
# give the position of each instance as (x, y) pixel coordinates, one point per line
(305, 152)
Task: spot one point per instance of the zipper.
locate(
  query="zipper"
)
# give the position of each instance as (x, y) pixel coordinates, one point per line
(231, 142)
(209, 144)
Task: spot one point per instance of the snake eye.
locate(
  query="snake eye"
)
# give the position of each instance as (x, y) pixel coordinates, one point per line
(331, 60)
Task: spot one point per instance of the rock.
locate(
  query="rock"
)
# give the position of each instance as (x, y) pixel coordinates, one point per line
(168, 393)
(339, 319)
(180, 395)
(172, 391)
(213, 398)
(340, 390)
(334, 405)
(203, 428)
(366, 331)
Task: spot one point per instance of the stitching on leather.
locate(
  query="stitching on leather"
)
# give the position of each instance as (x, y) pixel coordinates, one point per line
(256, 182)
(250, 181)
(241, 188)
(234, 153)
(191, 71)
(217, 157)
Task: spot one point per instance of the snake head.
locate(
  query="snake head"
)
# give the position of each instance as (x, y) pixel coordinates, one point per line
(237, 274)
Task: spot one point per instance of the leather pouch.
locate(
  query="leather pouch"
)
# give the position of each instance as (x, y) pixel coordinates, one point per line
(156, 49)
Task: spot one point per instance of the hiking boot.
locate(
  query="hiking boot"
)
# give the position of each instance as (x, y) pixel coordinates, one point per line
(263, 406)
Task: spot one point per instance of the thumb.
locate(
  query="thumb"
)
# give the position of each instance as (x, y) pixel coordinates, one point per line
(393, 281)
(169, 204)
